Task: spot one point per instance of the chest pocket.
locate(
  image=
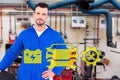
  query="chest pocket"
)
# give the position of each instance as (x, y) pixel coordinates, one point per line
(32, 57)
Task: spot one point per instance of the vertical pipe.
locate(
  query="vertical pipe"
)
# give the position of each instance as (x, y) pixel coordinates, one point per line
(65, 34)
(15, 25)
(98, 29)
(22, 14)
(50, 19)
(1, 39)
(55, 19)
(10, 29)
(117, 22)
(94, 27)
(106, 13)
(95, 31)
(60, 25)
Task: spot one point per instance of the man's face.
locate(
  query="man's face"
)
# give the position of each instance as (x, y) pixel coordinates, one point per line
(40, 15)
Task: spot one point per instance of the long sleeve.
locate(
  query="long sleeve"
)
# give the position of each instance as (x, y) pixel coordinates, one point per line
(11, 53)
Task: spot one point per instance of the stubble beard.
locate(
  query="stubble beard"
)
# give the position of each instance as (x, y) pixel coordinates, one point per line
(40, 24)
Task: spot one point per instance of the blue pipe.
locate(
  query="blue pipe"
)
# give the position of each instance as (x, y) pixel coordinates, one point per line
(108, 19)
(116, 4)
(31, 4)
(61, 4)
(101, 11)
(54, 5)
(107, 14)
(101, 2)
(97, 3)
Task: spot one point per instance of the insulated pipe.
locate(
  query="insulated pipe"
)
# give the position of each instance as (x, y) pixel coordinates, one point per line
(54, 5)
(31, 4)
(101, 11)
(108, 19)
(90, 10)
(115, 3)
(61, 4)
(98, 3)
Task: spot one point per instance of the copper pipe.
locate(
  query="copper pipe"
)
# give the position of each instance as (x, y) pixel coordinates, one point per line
(98, 29)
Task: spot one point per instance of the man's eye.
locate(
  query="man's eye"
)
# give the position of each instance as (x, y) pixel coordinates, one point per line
(44, 14)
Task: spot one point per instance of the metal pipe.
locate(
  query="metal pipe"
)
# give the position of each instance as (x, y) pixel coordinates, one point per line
(65, 34)
(50, 21)
(108, 19)
(15, 25)
(98, 30)
(1, 37)
(31, 4)
(10, 29)
(115, 3)
(117, 22)
(98, 3)
(55, 19)
(106, 13)
(61, 4)
(54, 5)
(60, 25)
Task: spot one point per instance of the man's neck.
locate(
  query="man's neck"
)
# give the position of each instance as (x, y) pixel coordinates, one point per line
(40, 28)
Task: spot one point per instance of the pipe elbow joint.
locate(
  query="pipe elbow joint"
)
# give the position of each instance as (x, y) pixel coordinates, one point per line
(111, 44)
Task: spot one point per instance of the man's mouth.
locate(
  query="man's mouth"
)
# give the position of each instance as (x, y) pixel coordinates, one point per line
(39, 20)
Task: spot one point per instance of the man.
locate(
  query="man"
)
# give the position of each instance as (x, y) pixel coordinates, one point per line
(33, 43)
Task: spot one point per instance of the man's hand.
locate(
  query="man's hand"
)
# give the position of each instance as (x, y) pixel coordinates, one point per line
(48, 74)
(0, 71)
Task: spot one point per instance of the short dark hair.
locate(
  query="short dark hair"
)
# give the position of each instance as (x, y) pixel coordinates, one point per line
(42, 5)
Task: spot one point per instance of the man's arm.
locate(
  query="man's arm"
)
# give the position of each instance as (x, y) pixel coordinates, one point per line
(11, 54)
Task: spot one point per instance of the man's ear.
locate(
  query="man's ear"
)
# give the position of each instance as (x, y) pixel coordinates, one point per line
(48, 16)
(33, 14)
